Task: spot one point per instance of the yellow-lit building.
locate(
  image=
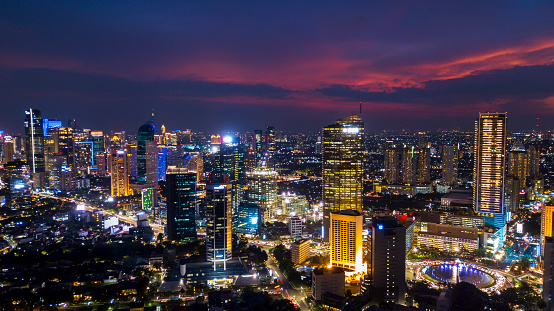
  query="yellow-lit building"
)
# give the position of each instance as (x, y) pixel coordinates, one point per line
(118, 172)
(546, 221)
(215, 139)
(343, 148)
(490, 163)
(345, 237)
(300, 251)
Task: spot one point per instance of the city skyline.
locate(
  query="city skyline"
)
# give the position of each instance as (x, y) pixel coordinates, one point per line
(229, 67)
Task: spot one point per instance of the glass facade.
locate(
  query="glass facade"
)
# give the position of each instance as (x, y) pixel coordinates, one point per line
(181, 204)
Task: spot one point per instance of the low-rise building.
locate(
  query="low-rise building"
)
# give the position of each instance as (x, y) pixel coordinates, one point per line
(327, 280)
(300, 251)
(449, 238)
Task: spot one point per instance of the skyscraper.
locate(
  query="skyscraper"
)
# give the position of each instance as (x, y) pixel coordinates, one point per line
(181, 204)
(345, 237)
(147, 154)
(343, 148)
(392, 159)
(388, 260)
(270, 140)
(119, 172)
(450, 165)
(218, 223)
(262, 190)
(490, 163)
(34, 140)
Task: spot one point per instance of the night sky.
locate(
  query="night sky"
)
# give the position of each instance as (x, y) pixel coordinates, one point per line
(295, 65)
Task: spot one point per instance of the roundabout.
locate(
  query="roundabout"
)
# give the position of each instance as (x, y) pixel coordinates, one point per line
(441, 273)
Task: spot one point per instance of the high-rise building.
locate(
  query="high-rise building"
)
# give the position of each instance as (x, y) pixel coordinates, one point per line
(147, 154)
(295, 226)
(84, 157)
(119, 172)
(64, 139)
(181, 204)
(388, 259)
(270, 136)
(488, 174)
(345, 237)
(34, 140)
(518, 163)
(547, 216)
(392, 159)
(19, 181)
(450, 165)
(218, 224)
(258, 146)
(249, 218)
(262, 190)
(547, 281)
(343, 148)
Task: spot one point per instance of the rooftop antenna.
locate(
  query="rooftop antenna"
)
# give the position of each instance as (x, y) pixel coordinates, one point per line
(360, 107)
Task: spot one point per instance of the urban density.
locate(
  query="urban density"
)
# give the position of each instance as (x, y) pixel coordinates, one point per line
(138, 193)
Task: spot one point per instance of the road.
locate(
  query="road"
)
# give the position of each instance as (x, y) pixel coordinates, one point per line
(298, 294)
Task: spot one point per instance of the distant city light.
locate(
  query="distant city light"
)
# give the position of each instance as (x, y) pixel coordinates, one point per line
(227, 139)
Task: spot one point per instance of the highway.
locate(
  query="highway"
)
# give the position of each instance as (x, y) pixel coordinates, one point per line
(298, 294)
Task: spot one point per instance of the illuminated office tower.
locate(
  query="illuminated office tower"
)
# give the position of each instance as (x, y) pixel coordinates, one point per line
(262, 190)
(84, 157)
(392, 159)
(18, 183)
(488, 173)
(147, 154)
(345, 237)
(518, 163)
(119, 172)
(450, 165)
(388, 260)
(64, 139)
(9, 149)
(34, 140)
(195, 162)
(98, 142)
(547, 214)
(270, 140)
(218, 224)
(258, 145)
(181, 204)
(343, 148)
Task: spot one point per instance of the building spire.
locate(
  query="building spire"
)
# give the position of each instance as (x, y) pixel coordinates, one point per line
(360, 107)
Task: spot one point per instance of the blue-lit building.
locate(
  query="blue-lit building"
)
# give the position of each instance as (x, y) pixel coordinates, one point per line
(147, 153)
(249, 218)
(181, 204)
(163, 154)
(47, 123)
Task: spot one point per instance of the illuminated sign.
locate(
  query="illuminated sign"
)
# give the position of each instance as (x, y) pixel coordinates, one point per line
(219, 187)
(351, 130)
(254, 220)
(380, 227)
(519, 228)
(227, 139)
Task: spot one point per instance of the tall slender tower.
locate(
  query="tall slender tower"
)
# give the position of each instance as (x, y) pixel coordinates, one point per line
(488, 174)
(343, 148)
(147, 154)
(218, 223)
(34, 140)
(450, 165)
(118, 172)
